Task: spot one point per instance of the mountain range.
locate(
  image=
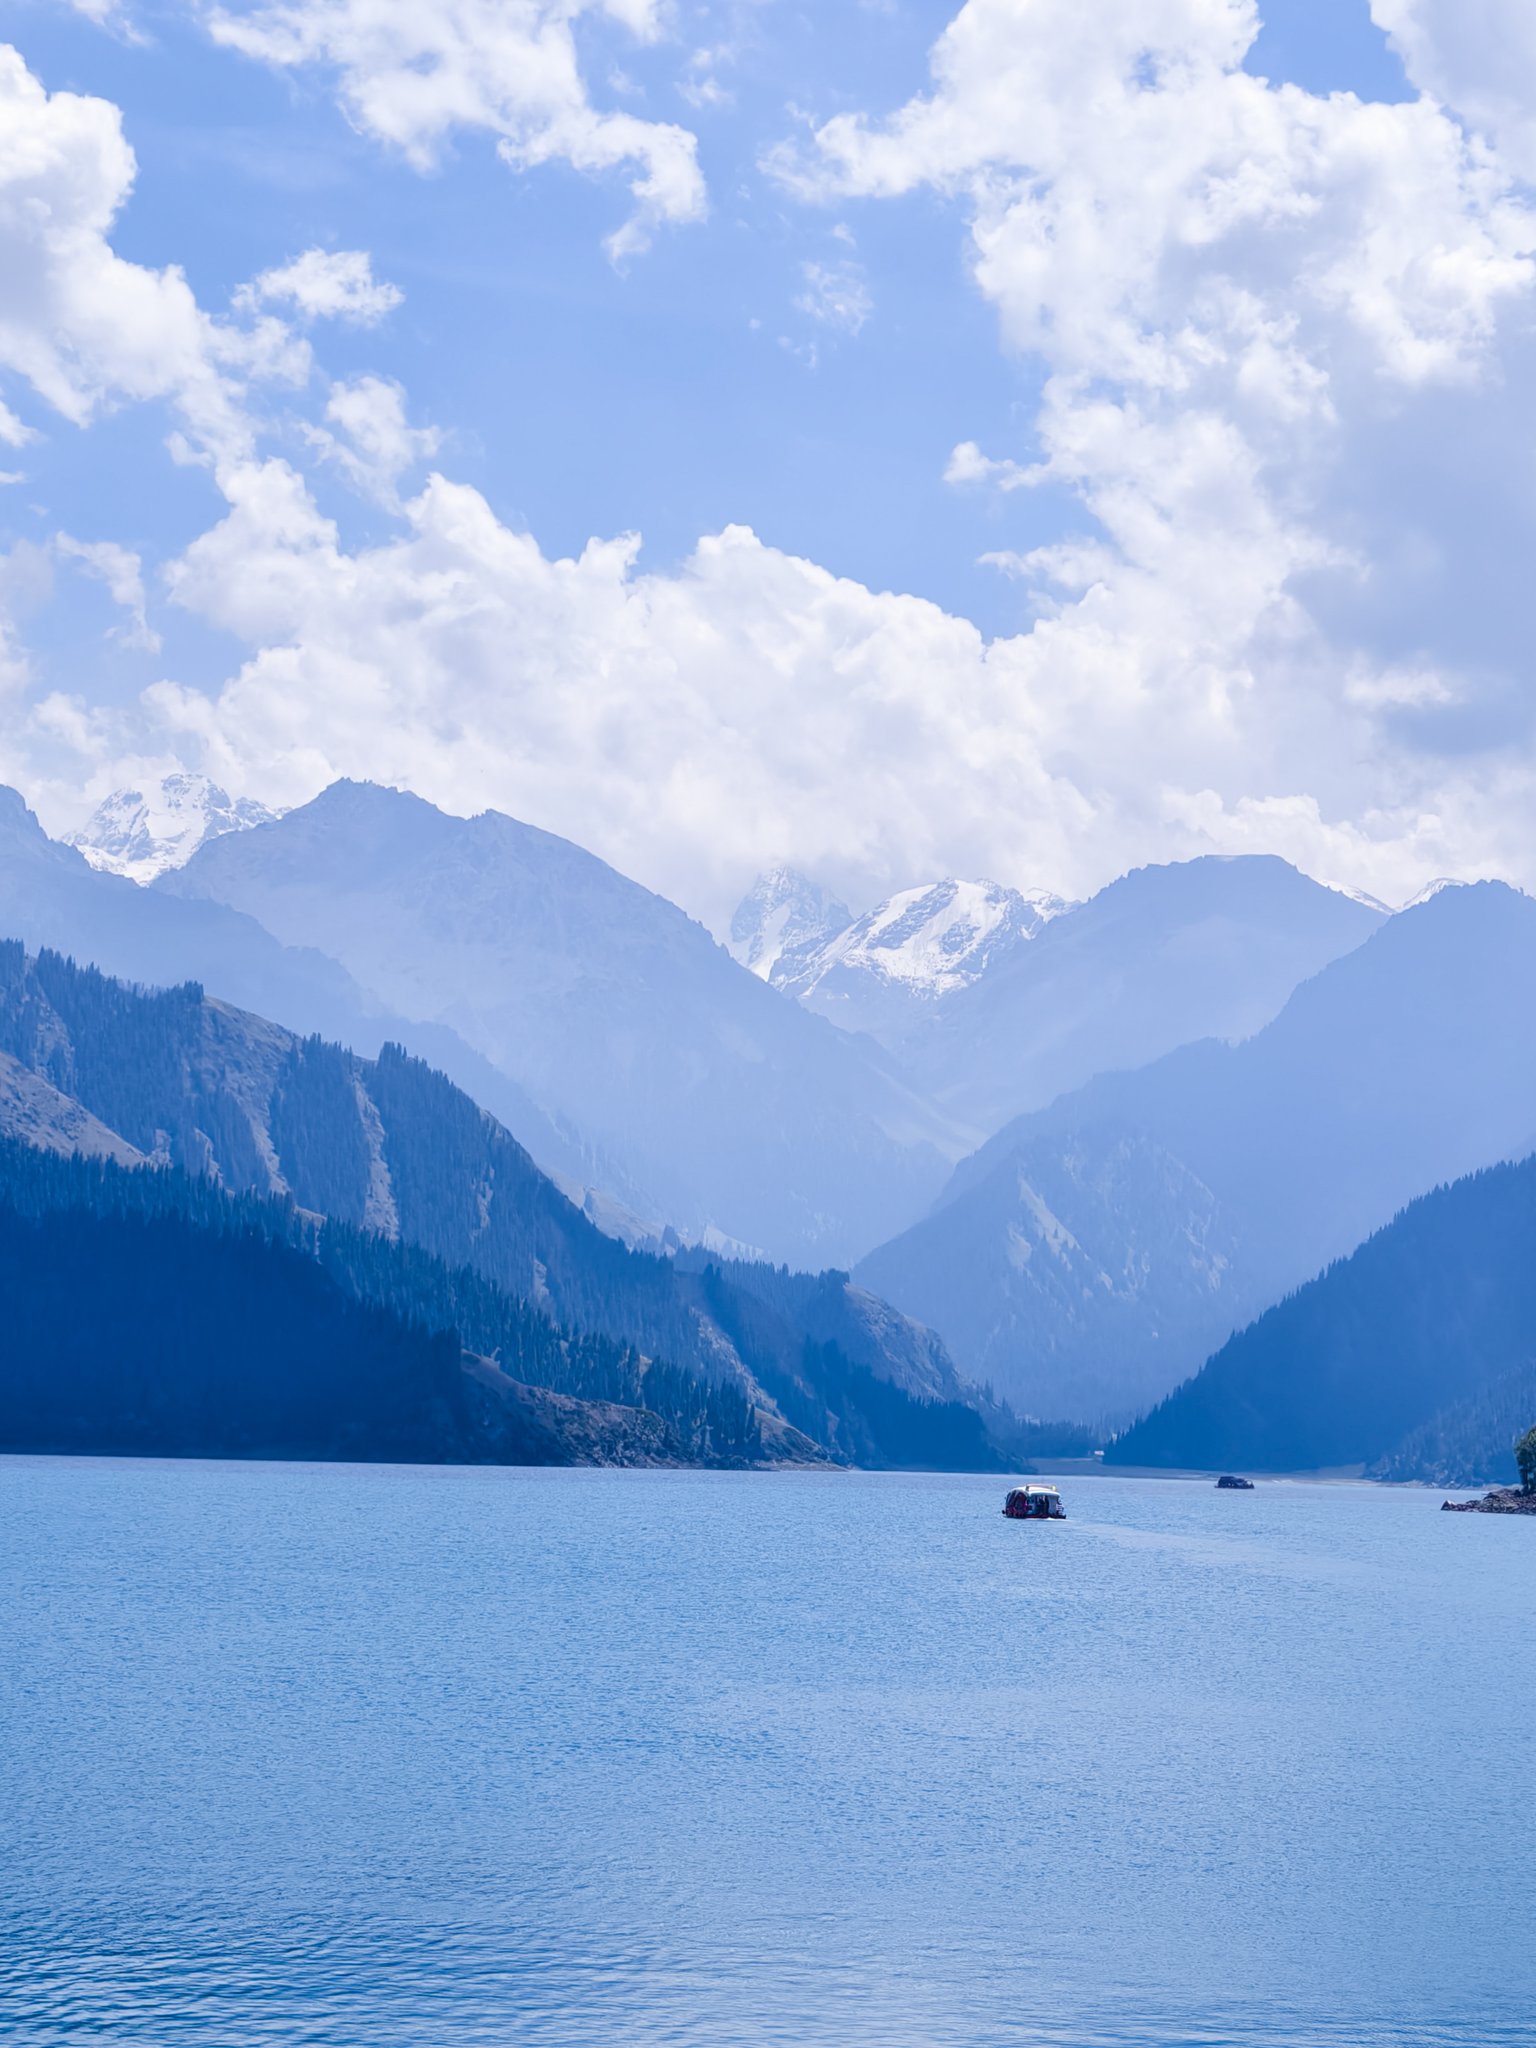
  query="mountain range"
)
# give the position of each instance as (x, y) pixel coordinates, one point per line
(1193, 1091)
(715, 1103)
(1164, 956)
(1093, 1253)
(51, 896)
(174, 1080)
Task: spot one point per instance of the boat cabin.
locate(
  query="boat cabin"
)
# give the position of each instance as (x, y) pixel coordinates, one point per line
(1034, 1504)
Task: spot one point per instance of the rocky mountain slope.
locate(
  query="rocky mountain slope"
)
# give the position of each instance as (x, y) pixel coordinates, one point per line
(724, 1104)
(783, 918)
(1092, 1254)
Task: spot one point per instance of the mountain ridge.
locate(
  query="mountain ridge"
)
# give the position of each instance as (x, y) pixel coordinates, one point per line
(1378, 1359)
(724, 1103)
(391, 1147)
(1110, 1241)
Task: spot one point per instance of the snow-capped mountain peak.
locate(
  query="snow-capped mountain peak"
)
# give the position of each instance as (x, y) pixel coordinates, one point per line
(882, 972)
(931, 940)
(1431, 890)
(145, 832)
(784, 917)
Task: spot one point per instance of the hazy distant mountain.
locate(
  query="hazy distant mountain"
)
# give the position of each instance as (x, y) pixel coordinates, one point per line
(1417, 1354)
(391, 1148)
(51, 896)
(784, 917)
(1166, 955)
(723, 1102)
(143, 832)
(885, 971)
(1092, 1254)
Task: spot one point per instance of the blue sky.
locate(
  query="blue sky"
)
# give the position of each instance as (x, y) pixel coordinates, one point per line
(801, 352)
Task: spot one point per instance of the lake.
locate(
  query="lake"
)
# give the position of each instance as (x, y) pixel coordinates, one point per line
(396, 1757)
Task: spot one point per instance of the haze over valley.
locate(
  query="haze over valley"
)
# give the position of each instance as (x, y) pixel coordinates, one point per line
(1065, 1150)
(767, 1023)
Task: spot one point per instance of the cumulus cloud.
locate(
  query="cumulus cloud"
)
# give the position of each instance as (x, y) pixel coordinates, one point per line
(1478, 56)
(327, 284)
(120, 569)
(373, 441)
(1230, 286)
(415, 72)
(80, 324)
(967, 465)
(680, 723)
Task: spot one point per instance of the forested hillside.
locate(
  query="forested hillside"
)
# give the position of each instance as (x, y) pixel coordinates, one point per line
(146, 1311)
(394, 1152)
(1414, 1356)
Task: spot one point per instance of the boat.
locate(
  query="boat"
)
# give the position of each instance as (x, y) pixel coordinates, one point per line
(1034, 1504)
(1232, 1484)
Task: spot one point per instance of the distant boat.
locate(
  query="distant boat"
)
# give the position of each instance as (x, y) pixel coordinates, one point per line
(1034, 1504)
(1233, 1484)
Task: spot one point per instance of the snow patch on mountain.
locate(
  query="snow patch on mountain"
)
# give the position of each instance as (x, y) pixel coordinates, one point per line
(1433, 889)
(882, 973)
(783, 919)
(142, 833)
(931, 940)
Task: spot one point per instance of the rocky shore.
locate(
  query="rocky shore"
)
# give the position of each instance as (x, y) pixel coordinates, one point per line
(1504, 1500)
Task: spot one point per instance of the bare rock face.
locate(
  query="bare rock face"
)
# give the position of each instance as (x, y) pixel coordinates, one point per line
(1503, 1500)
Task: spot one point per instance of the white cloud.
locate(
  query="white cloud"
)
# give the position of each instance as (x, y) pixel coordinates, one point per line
(120, 569)
(81, 325)
(1478, 56)
(415, 72)
(1228, 287)
(12, 431)
(680, 723)
(327, 284)
(1239, 295)
(967, 465)
(374, 442)
(836, 294)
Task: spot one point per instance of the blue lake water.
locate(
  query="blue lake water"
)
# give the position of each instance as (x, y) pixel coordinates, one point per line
(373, 1757)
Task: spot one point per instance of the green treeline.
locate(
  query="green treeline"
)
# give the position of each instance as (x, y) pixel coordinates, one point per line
(1414, 1355)
(438, 1214)
(359, 1286)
